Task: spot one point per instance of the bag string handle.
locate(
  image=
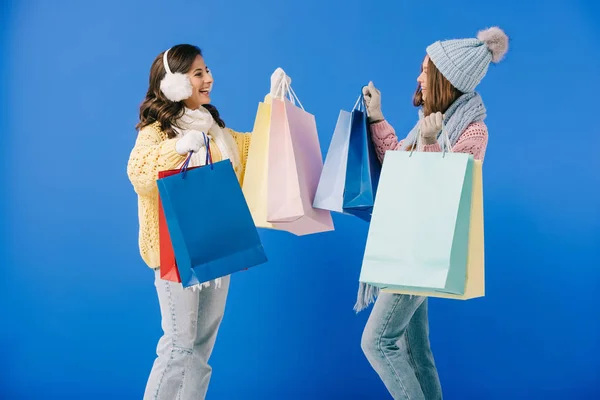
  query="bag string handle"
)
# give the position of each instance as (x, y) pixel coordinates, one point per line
(209, 161)
(446, 145)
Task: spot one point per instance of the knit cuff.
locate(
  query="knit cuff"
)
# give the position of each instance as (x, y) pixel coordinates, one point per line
(432, 148)
(381, 130)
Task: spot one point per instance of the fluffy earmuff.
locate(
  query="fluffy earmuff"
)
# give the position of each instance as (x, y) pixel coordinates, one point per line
(175, 86)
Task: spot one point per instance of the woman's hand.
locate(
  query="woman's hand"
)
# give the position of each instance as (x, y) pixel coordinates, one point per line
(430, 127)
(192, 141)
(279, 88)
(373, 102)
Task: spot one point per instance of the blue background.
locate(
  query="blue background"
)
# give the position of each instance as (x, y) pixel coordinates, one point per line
(80, 317)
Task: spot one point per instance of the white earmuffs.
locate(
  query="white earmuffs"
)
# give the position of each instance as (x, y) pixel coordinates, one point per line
(175, 86)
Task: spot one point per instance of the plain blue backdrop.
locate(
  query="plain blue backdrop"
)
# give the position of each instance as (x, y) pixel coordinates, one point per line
(80, 318)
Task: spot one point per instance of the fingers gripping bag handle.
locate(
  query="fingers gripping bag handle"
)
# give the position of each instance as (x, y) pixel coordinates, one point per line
(209, 161)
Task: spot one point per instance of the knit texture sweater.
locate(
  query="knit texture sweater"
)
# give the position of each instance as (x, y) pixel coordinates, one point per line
(473, 140)
(154, 152)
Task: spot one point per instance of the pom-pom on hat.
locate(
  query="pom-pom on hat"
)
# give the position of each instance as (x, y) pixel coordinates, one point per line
(464, 62)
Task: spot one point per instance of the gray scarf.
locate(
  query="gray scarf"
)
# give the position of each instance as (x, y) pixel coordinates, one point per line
(467, 109)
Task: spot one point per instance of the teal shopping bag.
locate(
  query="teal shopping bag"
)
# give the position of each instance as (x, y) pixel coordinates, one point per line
(419, 232)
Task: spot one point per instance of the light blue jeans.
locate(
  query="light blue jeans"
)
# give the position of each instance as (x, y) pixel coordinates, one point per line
(396, 343)
(190, 322)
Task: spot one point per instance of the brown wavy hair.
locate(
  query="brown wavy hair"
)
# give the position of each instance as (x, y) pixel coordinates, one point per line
(441, 93)
(156, 107)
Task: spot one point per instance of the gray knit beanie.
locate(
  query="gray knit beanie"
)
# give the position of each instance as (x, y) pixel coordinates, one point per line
(464, 62)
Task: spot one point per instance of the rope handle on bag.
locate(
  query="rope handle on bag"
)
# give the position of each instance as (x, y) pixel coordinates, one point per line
(209, 160)
(446, 145)
(361, 104)
(184, 167)
(285, 87)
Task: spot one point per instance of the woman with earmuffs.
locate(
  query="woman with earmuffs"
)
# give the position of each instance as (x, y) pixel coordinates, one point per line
(396, 337)
(174, 118)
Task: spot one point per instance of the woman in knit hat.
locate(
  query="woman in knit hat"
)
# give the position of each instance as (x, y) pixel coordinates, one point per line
(396, 337)
(176, 118)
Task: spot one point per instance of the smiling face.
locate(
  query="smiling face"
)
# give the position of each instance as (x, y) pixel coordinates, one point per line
(422, 79)
(202, 82)
(434, 92)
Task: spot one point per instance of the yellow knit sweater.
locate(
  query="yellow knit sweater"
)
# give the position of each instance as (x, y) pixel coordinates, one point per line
(154, 152)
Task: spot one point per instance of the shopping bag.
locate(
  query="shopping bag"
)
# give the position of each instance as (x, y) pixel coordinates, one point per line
(284, 198)
(168, 265)
(210, 225)
(295, 166)
(363, 168)
(475, 279)
(330, 191)
(255, 177)
(419, 233)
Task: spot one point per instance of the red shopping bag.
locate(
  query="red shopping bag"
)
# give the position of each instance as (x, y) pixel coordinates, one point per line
(168, 265)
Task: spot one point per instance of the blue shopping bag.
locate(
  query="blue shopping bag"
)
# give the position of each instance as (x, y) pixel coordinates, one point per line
(419, 234)
(362, 168)
(209, 222)
(330, 191)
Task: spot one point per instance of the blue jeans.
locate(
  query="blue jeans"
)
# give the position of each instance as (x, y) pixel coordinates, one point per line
(396, 343)
(190, 322)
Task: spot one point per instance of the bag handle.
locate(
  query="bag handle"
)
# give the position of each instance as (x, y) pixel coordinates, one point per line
(285, 87)
(208, 161)
(446, 145)
(360, 104)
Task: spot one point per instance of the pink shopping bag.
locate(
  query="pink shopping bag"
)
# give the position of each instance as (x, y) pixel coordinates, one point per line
(295, 166)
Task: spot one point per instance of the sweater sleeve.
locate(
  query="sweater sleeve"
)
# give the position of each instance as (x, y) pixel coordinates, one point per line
(150, 155)
(243, 143)
(472, 141)
(384, 138)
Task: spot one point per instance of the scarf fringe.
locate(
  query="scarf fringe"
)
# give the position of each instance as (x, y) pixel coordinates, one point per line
(366, 296)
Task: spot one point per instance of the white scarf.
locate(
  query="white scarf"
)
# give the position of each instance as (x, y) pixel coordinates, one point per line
(201, 120)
